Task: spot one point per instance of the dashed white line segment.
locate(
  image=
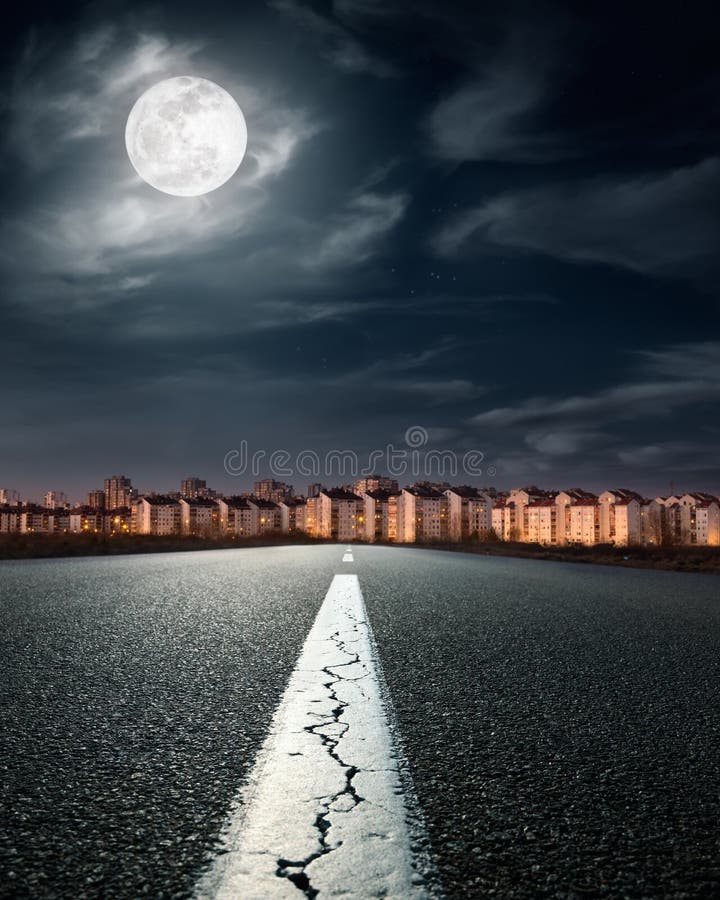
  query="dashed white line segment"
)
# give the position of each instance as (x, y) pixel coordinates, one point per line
(323, 813)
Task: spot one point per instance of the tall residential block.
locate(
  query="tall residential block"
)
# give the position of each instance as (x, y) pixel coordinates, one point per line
(96, 499)
(119, 492)
(55, 500)
(193, 487)
(274, 491)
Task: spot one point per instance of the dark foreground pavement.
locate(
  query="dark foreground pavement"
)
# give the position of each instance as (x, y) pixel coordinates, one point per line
(561, 722)
(135, 694)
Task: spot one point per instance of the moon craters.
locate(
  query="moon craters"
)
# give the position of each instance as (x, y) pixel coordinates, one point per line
(186, 136)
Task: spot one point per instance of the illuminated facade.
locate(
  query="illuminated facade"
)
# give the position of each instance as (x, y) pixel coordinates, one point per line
(199, 516)
(156, 515)
(469, 513)
(118, 492)
(341, 515)
(422, 515)
(379, 517)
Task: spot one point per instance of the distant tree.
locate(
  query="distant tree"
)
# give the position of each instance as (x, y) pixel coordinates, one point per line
(655, 527)
(488, 536)
(668, 535)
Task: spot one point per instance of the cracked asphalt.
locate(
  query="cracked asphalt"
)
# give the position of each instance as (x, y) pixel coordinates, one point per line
(561, 722)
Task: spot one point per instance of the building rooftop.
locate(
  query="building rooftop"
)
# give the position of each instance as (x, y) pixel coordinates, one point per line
(262, 504)
(579, 496)
(236, 502)
(340, 494)
(465, 491)
(418, 490)
(625, 495)
(383, 495)
(160, 500)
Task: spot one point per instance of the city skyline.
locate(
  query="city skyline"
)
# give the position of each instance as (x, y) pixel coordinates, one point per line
(10, 494)
(379, 509)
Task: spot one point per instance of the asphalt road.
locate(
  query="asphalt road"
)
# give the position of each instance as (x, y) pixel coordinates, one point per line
(561, 722)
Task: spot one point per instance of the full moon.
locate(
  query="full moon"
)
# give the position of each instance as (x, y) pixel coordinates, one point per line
(186, 136)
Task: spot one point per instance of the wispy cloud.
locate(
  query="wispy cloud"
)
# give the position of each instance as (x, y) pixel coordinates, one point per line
(634, 423)
(492, 118)
(626, 401)
(700, 359)
(563, 442)
(497, 111)
(662, 223)
(100, 217)
(79, 92)
(424, 376)
(340, 46)
(354, 234)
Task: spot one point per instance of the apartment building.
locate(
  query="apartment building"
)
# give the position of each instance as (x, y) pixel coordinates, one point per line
(503, 518)
(274, 491)
(119, 521)
(235, 516)
(422, 515)
(199, 516)
(312, 515)
(156, 515)
(379, 515)
(620, 519)
(508, 518)
(119, 492)
(96, 499)
(301, 515)
(266, 516)
(578, 519)
(374, 483)
(340, 515)
(540, 521)
(86, 520)
(37, 520)
(55, 500)
(289, 515)
(469, 513)
(692, 519)
(193, 488)
(10, 518)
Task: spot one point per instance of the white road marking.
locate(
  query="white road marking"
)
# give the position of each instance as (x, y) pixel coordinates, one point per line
(348, 557)
(323, 809)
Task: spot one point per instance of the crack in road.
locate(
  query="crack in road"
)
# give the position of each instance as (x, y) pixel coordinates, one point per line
(323, 811)
(296, 871)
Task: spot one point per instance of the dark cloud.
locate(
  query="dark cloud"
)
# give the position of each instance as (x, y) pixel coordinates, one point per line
(340, 47)
(499, 109)
(664, 223)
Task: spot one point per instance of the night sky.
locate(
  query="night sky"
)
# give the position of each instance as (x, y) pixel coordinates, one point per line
(496, 221)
